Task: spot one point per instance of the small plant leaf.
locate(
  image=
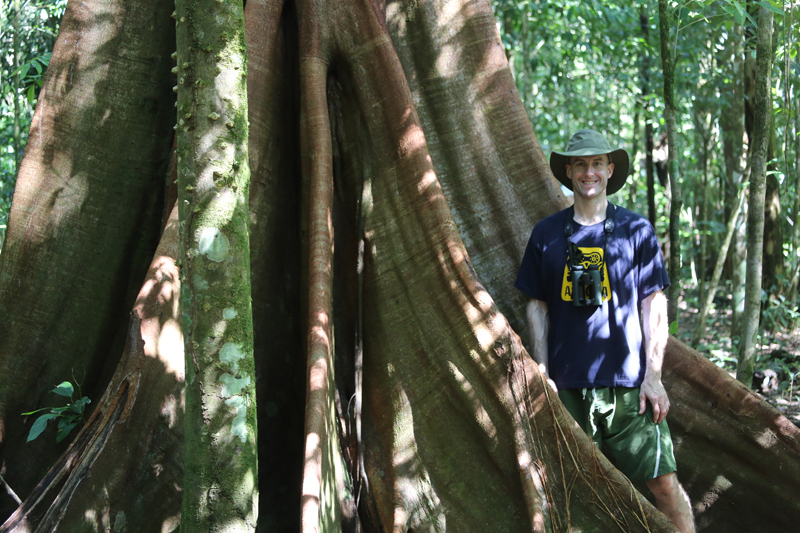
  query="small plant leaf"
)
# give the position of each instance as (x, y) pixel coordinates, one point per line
(64, 431)
(80, 405)
(39, 426)
(34, 412)
(64, 389)
(673, 328)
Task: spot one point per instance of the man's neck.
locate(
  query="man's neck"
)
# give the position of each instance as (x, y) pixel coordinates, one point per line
(590, 211)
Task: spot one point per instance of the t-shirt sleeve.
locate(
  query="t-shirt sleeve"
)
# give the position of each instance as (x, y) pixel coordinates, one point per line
(529, 277)
(652, 271)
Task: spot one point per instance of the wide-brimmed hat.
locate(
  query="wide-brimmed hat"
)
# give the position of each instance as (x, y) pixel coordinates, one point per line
(588, 143)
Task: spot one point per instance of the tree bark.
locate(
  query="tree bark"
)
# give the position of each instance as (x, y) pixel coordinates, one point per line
(774, 270)
(16, 87)
(644, 24)
(755, 219)
(773, 278)
(85, 217)
(526, 74)
(130, 453)
(711, 290)
(732, 126)
(221, 465)
(796, 209)
(381, 221)
(703, 123)
(676, 203)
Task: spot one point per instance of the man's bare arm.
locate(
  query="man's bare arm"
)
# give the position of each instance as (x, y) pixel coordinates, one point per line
(656, 333)
(538, 327)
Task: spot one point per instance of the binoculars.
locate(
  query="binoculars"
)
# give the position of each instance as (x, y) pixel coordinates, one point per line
(587, 288)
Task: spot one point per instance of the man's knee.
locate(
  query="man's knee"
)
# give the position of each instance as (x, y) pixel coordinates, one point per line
(665, 486)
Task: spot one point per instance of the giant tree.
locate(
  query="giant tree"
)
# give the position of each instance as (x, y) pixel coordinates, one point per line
(395, 180)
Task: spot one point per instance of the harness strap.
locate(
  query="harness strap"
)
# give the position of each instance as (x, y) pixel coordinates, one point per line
(608, 228)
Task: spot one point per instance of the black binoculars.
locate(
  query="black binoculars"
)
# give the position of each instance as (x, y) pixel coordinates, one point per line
(587, 288)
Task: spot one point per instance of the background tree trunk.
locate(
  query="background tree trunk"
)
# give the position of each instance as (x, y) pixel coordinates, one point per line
(755, 219)
(644, 24)
(17, 87)
(676, 203)
(774, 272)
(773, 279)
(708, 295)
(732, 126)
(796, 209)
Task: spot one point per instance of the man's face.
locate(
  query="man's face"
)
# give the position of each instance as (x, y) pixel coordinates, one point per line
(589, 175)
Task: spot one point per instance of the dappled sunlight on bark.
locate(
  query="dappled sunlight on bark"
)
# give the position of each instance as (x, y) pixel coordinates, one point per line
(145, 392)
(98, 151)
(396, 179)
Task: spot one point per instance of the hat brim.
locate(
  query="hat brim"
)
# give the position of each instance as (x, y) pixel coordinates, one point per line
(559, 161)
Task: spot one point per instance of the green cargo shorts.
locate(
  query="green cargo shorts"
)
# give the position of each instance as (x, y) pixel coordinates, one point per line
(639, 448)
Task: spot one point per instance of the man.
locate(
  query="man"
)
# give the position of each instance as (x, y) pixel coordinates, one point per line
(588, 270)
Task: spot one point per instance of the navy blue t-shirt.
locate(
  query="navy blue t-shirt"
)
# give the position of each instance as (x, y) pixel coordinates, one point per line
(594, 346)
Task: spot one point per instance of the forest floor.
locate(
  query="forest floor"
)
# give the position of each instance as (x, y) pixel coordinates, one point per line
(777, 377)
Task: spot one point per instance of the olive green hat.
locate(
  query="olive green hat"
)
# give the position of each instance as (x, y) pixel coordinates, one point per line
(588, 143)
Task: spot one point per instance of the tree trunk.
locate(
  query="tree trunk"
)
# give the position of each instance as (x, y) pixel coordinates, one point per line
(703, 123)
(634, 161)
(676, 203)
(16, 88)
(774, 271)
(755, 219)
(796, 209)
(773, 279)
(644, 24)
(126, 466)
(381, 221)
(711, 290)
(732, 126)
(221, 465)
(527, 75)
(85, 218)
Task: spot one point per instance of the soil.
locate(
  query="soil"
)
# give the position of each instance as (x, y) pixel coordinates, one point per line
(777, 376)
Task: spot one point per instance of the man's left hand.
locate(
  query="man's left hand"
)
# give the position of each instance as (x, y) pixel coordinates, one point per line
(653, 390)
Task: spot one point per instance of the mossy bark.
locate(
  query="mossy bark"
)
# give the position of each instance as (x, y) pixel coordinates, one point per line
(221, 471)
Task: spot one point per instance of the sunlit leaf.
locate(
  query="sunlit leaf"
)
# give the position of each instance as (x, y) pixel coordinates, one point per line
(64, 389)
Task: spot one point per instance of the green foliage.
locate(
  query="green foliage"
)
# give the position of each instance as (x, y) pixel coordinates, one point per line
(585, 62)
(673, 328)
(777, 311)
(68, 416)
(32, 81)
